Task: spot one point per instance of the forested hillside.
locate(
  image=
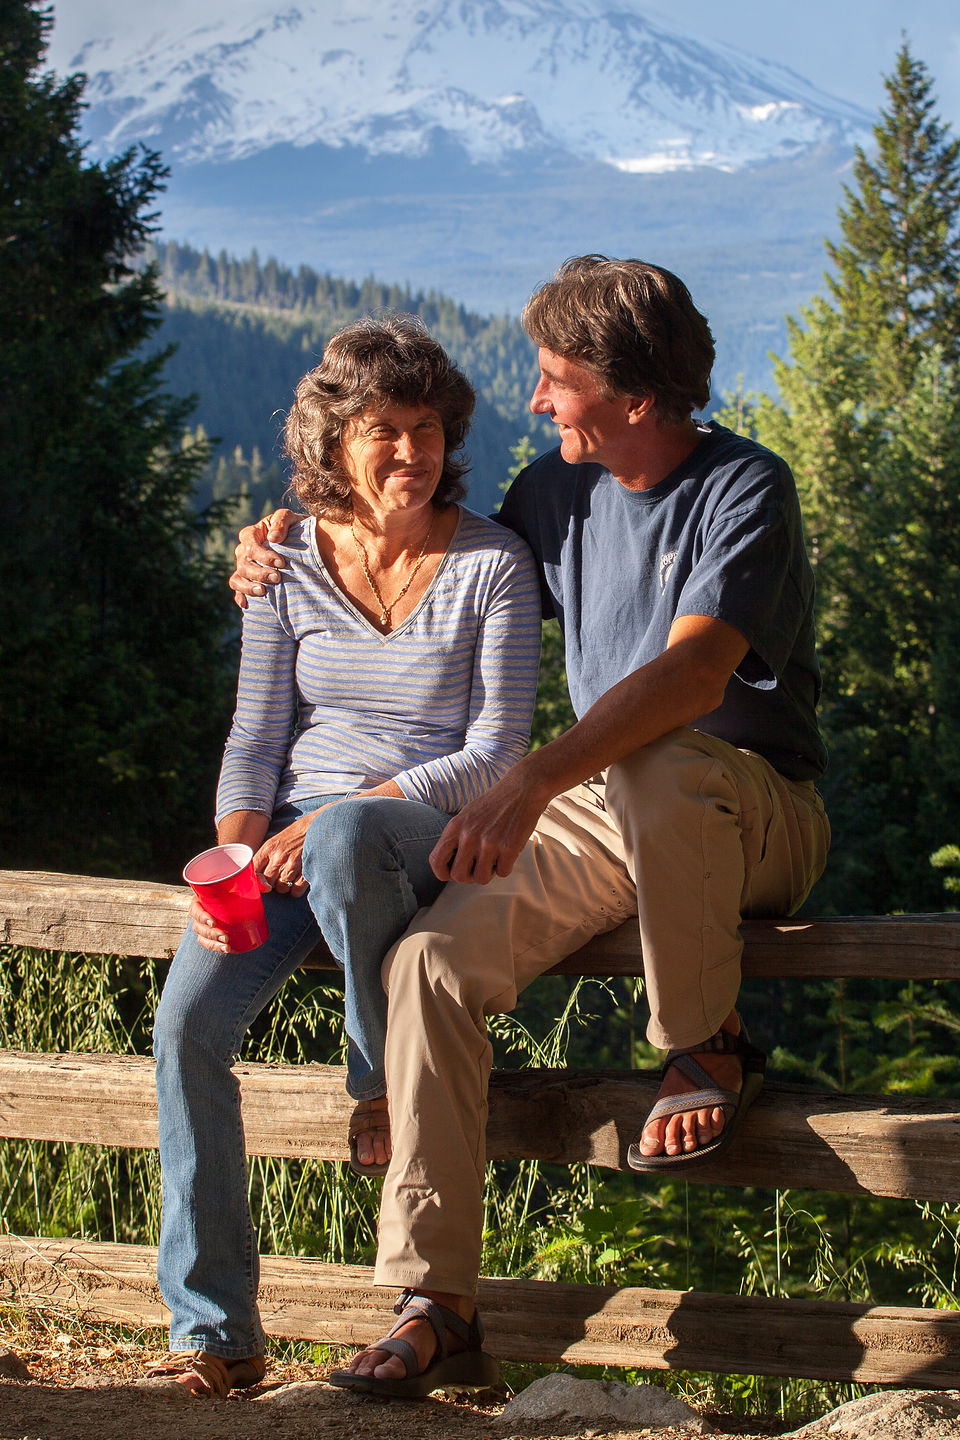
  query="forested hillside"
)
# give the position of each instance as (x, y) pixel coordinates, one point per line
(246, 332)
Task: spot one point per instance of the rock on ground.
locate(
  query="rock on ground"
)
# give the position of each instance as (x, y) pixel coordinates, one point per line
(12, 1367)
(894, 1415)
(566, 1403)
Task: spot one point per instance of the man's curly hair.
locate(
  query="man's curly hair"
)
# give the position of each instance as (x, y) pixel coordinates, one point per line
(633, 324)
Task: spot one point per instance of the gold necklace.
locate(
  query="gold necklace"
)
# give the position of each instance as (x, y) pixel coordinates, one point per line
(387, 610)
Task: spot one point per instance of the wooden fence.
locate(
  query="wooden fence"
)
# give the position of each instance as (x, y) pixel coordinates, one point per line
(793, 1137)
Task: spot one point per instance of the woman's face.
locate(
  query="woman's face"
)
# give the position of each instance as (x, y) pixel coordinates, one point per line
(393, 457)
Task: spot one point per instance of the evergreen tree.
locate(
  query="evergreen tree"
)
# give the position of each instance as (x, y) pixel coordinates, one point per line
(897, 271)
(871, 390)
(114, 623)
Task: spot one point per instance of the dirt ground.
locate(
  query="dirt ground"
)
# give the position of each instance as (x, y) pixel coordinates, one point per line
(83, 1387)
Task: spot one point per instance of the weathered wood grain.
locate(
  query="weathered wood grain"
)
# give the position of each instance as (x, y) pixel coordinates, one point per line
(88, 916)
(531, 1320)
(792, 1138)
(84, 915)
(882, 947)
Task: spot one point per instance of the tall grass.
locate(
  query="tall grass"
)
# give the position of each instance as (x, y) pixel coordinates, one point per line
(55, 1002)
(542, 1221)
(52, 1002)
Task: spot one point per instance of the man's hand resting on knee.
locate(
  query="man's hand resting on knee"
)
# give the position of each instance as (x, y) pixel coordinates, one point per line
(486, 836)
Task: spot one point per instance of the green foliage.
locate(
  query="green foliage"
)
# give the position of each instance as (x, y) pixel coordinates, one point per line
(624, 1230)
(92, 1004)
(521, 454)
(553, 713)
(240, 490)
(948, 858)
(115, 653)
(871, 404)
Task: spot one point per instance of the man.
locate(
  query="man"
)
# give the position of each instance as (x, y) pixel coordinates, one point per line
(672, 554)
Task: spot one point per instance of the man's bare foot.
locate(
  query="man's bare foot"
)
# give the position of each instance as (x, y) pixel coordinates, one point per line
(686, 1132)
(417, 1332)
(370, 1147)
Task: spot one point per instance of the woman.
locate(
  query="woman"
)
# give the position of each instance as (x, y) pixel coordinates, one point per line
(387, 681)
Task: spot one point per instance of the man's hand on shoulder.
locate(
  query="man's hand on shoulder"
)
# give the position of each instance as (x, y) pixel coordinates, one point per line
(258, 565)
(486, 836)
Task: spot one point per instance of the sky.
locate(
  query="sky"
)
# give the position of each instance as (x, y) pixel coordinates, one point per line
(843, 46)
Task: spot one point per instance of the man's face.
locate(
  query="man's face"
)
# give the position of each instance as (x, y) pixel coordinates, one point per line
(591, 426)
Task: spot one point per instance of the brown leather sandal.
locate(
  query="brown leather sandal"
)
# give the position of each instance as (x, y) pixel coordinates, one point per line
(369, 1115)
(468, 1368)
(213, 1376)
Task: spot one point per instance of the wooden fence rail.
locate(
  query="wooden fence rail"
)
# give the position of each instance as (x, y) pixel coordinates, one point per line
(793, 1137)
(85, 915)
(535, 1320)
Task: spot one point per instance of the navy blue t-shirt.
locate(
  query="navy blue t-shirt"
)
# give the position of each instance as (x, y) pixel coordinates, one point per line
(721, 536)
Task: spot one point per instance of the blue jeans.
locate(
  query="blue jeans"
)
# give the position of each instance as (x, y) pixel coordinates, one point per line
(366, 862)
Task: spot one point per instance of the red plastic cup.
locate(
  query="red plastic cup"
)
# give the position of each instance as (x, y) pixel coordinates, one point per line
(225, 882)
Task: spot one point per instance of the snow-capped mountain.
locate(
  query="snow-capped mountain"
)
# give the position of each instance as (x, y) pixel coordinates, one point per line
(502, 80)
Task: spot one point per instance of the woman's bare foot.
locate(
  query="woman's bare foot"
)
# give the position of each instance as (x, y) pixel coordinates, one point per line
(686, 1132)
(206, 1375)
(370, 1147)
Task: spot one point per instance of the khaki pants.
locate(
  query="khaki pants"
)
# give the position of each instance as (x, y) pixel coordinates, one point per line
(689, 833)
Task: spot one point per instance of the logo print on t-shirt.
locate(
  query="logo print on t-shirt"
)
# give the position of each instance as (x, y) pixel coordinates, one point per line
(666, 565)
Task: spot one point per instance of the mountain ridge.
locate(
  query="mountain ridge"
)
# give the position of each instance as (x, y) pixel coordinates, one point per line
(496, 78)
(402, 188)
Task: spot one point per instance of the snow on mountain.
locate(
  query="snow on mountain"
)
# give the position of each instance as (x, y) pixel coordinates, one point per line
(502, 79)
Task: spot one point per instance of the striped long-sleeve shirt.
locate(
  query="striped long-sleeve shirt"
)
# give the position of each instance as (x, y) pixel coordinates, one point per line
(442, 705)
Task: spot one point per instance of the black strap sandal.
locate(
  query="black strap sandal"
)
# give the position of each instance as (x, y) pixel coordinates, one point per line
(469, 1369)
(708, 1096)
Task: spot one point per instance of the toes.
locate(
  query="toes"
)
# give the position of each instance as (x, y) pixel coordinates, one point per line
(703, 1127)
(652, 1139)
(373, 1147)
(194, 1384)
(682, 1133)
(688, 1131)
(391, 1369)
(709, 1124)
(366, 1363)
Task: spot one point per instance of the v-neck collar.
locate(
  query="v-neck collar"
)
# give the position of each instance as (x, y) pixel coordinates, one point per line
(348, 604)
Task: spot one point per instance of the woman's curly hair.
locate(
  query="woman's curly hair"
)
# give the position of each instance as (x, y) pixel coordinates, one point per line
(393, 360)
